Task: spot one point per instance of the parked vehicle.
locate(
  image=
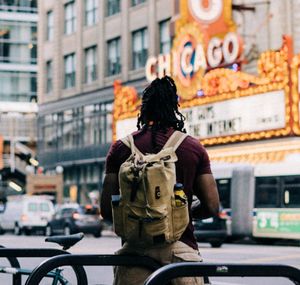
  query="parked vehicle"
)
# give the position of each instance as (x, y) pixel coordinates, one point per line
(74, 218)
(24, 214)
(212, 230)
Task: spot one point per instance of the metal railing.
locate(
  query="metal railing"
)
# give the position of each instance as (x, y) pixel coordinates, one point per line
(191, 269)
(12, 253)
(89, 260)
(163, 275)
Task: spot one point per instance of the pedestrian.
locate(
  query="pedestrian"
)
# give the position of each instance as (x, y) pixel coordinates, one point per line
(159, 118)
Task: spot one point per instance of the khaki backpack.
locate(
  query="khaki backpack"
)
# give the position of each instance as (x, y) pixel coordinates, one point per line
(146, 213)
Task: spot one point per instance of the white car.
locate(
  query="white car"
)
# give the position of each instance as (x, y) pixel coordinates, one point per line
(26, 213)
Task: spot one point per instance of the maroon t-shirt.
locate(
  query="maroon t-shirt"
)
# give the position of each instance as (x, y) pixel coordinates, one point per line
(192, 161)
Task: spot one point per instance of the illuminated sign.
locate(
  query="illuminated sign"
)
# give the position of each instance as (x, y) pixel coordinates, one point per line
(206, 13)
(255, 113)
(205, 38)
(260, 112)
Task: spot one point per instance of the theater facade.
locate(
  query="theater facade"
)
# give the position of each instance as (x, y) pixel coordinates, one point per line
(239, 116)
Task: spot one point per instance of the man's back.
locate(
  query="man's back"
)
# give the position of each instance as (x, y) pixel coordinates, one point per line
(192, 161)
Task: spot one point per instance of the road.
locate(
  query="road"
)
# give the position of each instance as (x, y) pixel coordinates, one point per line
(108, 244)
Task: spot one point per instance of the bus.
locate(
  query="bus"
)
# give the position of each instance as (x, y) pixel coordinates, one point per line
(261, 201)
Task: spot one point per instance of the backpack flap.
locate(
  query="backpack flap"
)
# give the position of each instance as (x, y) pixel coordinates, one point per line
(166, 154)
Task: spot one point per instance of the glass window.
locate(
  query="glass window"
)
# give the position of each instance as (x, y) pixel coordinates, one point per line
(67, 129)
(32, 207)
(70, 71)
(70, 18)
(91, 12)
(114, 56)
(49, 75)
(224, 192)
(113, 7)
(44, 207)
(164, 37)
(50, 26)
(137, 2)
(267, 192)
(17, 86)
(139, 48)
(18, 42)
(24, 6)
(90, 72)
(291, 191)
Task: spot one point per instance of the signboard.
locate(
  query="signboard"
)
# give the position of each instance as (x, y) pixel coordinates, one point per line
(276, 222)
(205, 38)
(237, 116)
(255, 113)
(222, 103)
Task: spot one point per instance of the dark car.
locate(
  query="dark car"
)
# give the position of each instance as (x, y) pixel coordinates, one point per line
(74, 218)
(212, 230)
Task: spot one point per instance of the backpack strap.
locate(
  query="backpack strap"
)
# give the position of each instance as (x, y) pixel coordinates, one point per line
(129, 142)
(175, 140)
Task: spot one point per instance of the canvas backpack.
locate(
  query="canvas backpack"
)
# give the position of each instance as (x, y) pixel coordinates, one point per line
(146, 213)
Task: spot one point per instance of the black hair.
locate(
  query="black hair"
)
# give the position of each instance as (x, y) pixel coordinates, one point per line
(160, 107)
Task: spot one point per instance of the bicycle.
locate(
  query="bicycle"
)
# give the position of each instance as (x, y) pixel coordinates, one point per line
(57, 274)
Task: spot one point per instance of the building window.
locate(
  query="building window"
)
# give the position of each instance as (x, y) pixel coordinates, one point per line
(139, 48)
(49, 76)
(22, 6)
(91, 12)
(113, 7)
(18, 42)
(17, 86)
(137, 2)
(50, 26)
(114, 56)
(164, 37)
(90, 72)
(70, 73)
(70, 18)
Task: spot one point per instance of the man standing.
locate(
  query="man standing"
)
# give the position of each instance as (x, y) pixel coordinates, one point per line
(157, 121)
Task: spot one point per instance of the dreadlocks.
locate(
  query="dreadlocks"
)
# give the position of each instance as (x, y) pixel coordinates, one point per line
(160, 107)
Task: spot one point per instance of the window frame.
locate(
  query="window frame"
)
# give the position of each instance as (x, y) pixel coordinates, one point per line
(93, 12)
(71, 20)
(137, 2)
(114, 43)
(161, 43)
(143, 53)
(93, 49)
(72, 74)
(49, 79)
(113, 7)
(50, 26)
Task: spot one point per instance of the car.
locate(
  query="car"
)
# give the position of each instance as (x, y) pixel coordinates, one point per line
(74, 218)
(26, 213)
(212, 230)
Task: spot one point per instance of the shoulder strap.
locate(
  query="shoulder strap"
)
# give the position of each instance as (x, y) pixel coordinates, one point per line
(129, 142)
(175, 140)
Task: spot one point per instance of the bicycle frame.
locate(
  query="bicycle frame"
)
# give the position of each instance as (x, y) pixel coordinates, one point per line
(55, 274)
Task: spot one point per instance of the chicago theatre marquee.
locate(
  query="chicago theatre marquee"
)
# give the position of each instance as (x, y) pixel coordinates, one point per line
(239, 117)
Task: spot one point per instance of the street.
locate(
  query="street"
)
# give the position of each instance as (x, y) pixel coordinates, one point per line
(228, 253)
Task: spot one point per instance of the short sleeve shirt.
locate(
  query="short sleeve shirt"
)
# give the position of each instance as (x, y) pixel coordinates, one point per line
(192, 161)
